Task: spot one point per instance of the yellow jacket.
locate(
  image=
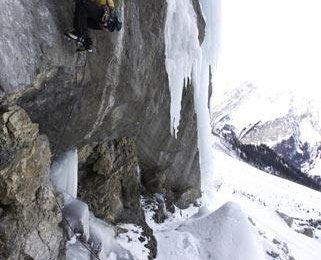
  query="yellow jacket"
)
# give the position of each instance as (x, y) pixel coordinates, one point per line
(110, 3)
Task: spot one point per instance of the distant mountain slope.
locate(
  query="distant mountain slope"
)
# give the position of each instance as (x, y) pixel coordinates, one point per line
(272, 133)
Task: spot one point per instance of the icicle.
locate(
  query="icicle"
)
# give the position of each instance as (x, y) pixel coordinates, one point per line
(182, 51)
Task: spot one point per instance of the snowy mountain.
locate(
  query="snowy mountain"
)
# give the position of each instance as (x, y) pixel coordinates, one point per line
(276, 133)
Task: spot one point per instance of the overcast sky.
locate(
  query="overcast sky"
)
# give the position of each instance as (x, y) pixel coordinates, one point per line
(275, 44)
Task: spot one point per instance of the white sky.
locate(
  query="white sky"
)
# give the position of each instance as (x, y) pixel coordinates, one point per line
(275, 44)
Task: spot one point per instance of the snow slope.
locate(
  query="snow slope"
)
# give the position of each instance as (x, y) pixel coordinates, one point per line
(261, 196)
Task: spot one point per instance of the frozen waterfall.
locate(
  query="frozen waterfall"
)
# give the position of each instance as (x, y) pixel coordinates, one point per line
(64, 173)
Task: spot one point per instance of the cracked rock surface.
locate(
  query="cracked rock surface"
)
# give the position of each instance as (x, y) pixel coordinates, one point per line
(29, 215)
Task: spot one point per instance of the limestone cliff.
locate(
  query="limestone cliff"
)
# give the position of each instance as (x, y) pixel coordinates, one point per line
(117, 96)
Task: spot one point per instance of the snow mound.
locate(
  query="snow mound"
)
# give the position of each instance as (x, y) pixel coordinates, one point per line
(225, 234)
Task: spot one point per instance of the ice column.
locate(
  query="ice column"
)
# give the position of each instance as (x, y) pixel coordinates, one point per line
(64, 173)
(210, 52)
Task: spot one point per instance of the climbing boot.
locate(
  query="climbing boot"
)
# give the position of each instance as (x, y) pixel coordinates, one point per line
(72, 35)
(85, 45)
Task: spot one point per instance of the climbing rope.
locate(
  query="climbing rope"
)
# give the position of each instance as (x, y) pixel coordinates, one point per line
(69, 116)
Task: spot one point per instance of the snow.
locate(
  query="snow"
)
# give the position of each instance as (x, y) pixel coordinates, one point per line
(316, 170)
(64, 173)
(261, 195)
(130, 242)
(170, 243)
(225, 234)
(182, 52)
(248, 105)
(175, 244)
(277, 193)
(308, 133)
(195, 233)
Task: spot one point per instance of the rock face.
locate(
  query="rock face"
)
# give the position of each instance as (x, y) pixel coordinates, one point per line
(178, 176)
(120, 90)
(29, 216)
(109, 181)
(113, 105)
(200, 20)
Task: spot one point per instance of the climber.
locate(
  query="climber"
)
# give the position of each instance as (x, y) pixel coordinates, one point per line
(93, 14)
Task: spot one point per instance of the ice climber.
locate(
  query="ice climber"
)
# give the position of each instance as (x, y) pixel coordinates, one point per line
(93, 14)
